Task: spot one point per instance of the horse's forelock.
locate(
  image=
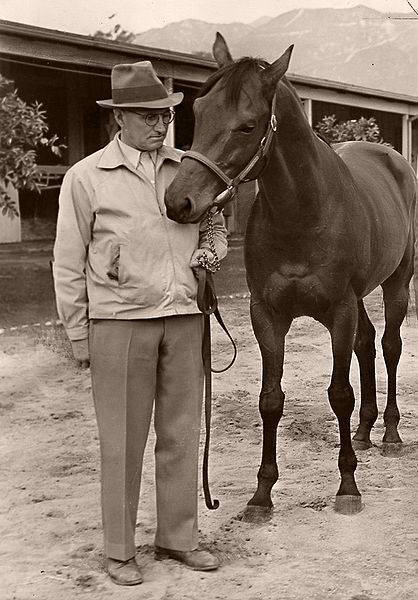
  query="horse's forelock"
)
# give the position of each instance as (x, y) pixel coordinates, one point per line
(233, 76)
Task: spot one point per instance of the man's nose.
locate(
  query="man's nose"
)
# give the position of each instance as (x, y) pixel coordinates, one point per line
(160, 126)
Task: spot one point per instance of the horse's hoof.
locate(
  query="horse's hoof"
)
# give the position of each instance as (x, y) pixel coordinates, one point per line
(392, 449)
(361, 444)
(348, 505)
(255, 514)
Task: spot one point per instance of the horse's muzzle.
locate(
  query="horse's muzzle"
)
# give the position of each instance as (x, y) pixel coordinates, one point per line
(181, 210)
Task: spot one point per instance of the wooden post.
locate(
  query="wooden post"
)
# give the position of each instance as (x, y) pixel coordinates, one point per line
(10, 227)
(75, 118)
(406, 137)
(168, 82)
(307, 105)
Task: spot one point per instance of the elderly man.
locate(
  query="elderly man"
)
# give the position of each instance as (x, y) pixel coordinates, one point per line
(126, 293)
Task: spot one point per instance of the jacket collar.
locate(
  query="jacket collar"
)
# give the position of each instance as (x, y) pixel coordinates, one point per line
(113, 157)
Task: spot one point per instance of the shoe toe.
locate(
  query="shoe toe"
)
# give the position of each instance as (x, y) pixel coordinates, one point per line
(124, 572)
(201, 560)
(198, 560)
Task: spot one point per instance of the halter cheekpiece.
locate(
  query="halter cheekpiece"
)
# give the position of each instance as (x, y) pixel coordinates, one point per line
(233, 183)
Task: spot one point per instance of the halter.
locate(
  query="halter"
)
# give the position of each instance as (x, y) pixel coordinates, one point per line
(233, 183)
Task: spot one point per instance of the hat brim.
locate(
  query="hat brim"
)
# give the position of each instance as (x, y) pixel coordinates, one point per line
(171, 100)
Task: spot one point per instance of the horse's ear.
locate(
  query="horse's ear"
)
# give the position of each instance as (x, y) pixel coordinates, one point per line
(221, 51)
(275, 71)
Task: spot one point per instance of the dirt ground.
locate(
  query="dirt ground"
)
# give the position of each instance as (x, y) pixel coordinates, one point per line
(51, 542)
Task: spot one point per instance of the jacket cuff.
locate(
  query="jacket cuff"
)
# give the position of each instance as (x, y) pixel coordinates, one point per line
(76, 334)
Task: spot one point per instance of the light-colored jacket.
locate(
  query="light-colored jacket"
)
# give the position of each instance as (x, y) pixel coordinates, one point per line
(116, 254)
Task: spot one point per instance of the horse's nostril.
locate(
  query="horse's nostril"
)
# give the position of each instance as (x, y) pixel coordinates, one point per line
(181, 210)
(188, 206)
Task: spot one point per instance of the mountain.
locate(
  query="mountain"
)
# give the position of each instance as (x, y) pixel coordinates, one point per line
(191, 35)
(356, 45)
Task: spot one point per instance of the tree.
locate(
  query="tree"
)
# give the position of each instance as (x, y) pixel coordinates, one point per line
(23, 130)
(116, 34)
(345, 131)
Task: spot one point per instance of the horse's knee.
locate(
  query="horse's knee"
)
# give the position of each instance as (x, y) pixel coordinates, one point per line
(341, 399)
(364, 346)
(271, 403)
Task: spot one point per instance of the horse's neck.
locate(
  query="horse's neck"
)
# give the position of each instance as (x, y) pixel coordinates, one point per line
(292, 185)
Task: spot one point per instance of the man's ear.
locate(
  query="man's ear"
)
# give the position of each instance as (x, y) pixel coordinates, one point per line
(118, 114)
(221, 51)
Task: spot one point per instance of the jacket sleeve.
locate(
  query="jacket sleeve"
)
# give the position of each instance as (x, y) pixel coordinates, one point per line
(219, 235)
(74, 226)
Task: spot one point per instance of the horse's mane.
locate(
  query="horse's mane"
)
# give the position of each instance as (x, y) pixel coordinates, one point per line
(234, 76)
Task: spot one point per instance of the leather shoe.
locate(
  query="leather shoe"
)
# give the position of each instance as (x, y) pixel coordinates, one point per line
(124, 572)
(198, 560)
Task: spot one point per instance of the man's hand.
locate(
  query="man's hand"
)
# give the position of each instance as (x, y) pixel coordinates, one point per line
(81, 353)
(200, 257)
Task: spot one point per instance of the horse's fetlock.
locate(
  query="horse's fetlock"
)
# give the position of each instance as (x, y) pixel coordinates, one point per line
(347, 461)
(268, 473)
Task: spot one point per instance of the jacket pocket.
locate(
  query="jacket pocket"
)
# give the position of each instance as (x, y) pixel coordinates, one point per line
(140, 279)
(113, 270)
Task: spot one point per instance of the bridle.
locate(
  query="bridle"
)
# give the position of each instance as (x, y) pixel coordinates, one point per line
(242, 177)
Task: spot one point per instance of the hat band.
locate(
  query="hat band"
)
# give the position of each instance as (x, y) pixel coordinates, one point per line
(139, 94)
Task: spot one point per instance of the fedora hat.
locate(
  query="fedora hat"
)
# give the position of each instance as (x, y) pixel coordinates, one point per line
(136, 85)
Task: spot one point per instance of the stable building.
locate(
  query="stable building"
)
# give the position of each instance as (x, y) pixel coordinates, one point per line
(67, 73)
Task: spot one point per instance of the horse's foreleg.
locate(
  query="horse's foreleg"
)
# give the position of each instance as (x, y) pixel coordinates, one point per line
(365, 350)
(342, 326)
(270, 334)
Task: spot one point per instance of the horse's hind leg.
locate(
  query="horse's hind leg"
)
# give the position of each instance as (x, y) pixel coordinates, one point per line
(395, 297)
(270, 334)
(364, 347)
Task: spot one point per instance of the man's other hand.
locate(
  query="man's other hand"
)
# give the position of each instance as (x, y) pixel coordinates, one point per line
(81, 353)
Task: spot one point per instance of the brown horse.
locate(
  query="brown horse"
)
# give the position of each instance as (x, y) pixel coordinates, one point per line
(328, 226)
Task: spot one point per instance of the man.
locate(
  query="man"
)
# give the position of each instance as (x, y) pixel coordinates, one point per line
(126, 293)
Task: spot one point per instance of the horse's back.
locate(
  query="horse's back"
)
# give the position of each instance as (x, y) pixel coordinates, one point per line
(380, 172)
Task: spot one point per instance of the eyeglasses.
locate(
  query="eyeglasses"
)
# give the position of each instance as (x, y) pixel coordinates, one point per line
(151, 119)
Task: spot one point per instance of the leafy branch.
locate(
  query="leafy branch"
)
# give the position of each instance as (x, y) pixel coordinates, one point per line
(116, 34)
(346, 131)
(23, 130)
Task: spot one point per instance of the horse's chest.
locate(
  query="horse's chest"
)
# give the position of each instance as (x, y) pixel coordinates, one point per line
(296, 291)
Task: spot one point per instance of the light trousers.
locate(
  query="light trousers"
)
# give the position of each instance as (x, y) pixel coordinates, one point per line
(134, 365)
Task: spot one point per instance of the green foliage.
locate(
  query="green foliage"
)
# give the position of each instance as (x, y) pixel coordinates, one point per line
(362, 129)
(116, 34)
(23, 129)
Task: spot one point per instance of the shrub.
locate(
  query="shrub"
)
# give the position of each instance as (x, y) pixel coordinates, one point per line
(23, 130)
(346, 131)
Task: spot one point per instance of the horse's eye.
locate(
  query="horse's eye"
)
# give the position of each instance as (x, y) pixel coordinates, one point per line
(246, 129)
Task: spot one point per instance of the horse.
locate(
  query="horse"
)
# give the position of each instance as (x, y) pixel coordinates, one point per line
(328, 226)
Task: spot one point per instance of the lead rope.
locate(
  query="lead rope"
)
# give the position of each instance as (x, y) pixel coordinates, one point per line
(208, 304)
(204, 262)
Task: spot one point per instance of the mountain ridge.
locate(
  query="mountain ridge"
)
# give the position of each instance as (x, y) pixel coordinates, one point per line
(357, 45)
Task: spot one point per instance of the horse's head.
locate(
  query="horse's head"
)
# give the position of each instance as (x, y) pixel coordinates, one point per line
(233, 116)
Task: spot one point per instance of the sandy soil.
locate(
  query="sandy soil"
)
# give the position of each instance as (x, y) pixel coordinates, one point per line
(51, 541)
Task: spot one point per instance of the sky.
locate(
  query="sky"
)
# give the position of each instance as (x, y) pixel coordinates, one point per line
(87, 16)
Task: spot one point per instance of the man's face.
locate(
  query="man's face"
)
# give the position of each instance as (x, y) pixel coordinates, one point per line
(136, 132)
